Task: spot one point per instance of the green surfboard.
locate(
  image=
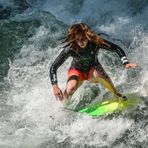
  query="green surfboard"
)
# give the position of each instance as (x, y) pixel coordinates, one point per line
(110, 106)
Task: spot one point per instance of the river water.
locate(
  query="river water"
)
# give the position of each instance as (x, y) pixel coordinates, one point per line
(30, 40)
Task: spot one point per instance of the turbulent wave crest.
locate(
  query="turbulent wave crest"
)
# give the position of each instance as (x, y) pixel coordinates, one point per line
(31, 33)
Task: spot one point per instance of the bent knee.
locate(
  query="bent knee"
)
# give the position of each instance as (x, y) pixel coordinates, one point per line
(71, 88)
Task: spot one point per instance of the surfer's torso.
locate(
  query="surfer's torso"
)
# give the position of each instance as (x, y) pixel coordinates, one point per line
(84, 58)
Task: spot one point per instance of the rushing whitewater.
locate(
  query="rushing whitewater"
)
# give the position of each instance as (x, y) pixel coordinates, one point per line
(30, 40)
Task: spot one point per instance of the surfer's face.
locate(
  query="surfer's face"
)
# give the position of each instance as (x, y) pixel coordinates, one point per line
(81, 40)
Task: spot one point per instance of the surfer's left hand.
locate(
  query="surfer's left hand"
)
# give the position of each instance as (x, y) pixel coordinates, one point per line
(131, 65)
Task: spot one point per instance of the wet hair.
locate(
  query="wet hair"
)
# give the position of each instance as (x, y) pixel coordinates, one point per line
(83, 30)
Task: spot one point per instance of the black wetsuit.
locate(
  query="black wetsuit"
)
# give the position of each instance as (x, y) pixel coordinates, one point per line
(84, 59)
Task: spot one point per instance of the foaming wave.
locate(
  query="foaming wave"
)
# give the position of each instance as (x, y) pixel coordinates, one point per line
(31, 96)
(93, 132)
(37, 118)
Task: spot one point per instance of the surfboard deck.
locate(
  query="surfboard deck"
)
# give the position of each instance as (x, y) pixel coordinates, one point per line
(110, 106)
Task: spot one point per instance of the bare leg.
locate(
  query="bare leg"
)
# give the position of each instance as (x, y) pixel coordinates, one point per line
(73, 83)
(103, 78)
(97, 77)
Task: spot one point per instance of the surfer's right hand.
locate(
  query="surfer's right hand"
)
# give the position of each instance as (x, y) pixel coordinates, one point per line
(58, 93)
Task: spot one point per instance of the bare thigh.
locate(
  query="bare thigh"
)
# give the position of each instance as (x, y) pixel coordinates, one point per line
(97, 75)
(72, 84)
(103, 78)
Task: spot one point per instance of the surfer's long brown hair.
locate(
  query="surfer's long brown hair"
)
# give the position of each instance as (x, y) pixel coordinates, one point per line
(83, 30)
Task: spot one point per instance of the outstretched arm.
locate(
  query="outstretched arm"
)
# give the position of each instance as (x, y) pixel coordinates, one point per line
(53, 73)
(113, 47)
(130, 65)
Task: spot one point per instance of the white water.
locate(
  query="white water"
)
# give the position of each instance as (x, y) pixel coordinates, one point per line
(37, 119)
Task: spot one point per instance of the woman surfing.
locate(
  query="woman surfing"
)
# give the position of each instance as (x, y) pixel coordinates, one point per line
(83, 44)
